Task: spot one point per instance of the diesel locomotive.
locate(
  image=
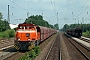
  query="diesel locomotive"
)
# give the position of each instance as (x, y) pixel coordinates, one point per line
(29, 35)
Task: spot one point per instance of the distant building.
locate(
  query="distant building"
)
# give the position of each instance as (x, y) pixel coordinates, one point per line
(12, 26)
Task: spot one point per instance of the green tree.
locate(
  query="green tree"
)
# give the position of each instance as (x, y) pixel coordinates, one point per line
(84, 27)
(1, 16)
(56, 26)
(65, 27)
(38, 20)
(4, 25)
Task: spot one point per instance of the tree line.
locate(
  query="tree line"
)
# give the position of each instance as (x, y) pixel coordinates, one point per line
(4, 25)
(84, 27)
(38, 20)
(5, 31)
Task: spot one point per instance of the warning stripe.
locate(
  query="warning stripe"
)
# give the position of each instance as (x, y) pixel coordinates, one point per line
(17, 47)
(26, 31)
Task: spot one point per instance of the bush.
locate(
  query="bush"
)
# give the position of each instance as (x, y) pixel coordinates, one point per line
(1, 34)
(11, 33)
(25, 57)
(7, 34)
(87, 33)
(37, 50)
(31, 54)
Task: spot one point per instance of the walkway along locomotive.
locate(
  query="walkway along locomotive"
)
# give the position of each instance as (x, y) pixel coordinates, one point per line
(29, 35)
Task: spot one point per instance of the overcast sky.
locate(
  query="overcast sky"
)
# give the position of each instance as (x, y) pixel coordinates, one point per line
(53, 11)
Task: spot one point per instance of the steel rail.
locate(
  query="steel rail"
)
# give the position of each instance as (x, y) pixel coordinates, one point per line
(51, 49)
(79, 49)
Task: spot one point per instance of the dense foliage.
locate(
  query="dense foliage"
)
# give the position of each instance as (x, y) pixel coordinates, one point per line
(5, 31)
(31, 54)
(7, 34)
(86, 34)
(38, 20)
(85, 27)
(56, 26)
(4, 25)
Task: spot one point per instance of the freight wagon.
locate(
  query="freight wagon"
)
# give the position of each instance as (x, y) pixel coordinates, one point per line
(76, 32)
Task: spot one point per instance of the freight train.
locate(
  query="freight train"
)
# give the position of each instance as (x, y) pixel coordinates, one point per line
(29, 35)
(76, 32)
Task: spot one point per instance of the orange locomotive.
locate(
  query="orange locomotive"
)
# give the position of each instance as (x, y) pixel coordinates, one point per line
(29, 35)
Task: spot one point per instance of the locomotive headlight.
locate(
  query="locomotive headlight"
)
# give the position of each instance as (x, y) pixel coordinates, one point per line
(28, 39)
(27, 34)
(18, 39)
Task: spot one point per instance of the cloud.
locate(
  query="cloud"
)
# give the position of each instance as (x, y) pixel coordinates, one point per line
(36, 7)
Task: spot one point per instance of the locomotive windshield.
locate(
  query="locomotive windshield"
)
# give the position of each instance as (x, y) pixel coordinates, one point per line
(27, 27)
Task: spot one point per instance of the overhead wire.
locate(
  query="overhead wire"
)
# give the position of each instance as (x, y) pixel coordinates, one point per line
(9, 14)
(53, 7)
(18, 5)
(82, 8)
(56, 13)
(50, 17)
(29, 6)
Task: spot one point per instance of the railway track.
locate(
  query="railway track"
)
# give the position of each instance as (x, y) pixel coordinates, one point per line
(15, 56)
(82, 49)
(6, 42)
(6, 48)
(5, 55)
(12, 54)
(85, 39)
(54, 51)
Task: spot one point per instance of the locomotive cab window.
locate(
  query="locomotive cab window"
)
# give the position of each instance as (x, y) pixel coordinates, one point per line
(32, 27)
(21, 27)
(27, 27)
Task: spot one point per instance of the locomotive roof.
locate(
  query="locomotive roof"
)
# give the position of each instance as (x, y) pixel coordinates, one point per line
(26, 25)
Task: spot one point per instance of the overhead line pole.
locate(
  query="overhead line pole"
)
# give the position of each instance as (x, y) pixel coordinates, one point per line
(57, 20)
(8, 15)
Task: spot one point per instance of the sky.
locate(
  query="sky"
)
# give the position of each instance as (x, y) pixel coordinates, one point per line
(53, 11)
